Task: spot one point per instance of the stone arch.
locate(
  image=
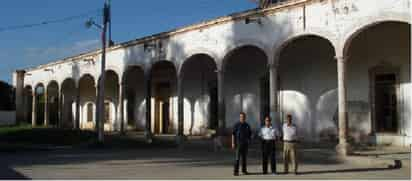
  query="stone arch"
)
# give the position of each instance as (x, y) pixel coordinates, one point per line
(129, 68)
(87, 73)
(111, 87)
(244, 70)
(199, 89)
(283, 42)
(87, 92)
(364, 23)
(68, 96)
(377, 58)
(133, 82)
(39, 92)
(307, 83)
(239, 44)
(163, 79)
(52, 112)
(197, 51)
(119, 71)
(230, 53)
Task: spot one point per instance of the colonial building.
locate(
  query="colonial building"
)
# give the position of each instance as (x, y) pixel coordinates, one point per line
(340, 67)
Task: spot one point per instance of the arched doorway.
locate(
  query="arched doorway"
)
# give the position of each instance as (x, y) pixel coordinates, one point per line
(111, 101)
(378, 76)
(68, 97)
(164, 103)
(133, 81)
(87, 94)
(53, 103)
(40, 102)
(199, 86)
(245, 77)
(308, 86)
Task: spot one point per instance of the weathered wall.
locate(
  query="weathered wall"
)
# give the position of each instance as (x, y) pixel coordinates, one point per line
(309, 88)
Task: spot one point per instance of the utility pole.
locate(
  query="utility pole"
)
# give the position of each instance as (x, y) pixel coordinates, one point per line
(100, 97)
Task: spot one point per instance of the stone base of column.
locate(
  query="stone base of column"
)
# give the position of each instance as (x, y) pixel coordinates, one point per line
(343, 150)
(180, 140)
(148, 136)
(218, 143)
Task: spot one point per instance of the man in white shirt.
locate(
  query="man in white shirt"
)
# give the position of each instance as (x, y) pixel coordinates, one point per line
(289, 145)
(268, 135)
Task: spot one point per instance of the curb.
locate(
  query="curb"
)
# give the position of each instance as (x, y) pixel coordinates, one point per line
(362, 160)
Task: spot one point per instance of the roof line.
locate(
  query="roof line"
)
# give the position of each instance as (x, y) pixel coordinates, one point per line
(217, 21)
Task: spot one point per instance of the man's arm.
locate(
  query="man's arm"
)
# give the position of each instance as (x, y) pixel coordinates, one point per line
(250, 133)
(233, 136)
(233, 142)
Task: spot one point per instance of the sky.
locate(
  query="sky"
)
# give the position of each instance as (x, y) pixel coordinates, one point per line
(131, 19)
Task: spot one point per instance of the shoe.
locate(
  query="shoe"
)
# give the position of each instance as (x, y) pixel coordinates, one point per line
(274, 173)
(245, 173)
(296, 173)
(286, 172)
(265, 173)
(235, 174)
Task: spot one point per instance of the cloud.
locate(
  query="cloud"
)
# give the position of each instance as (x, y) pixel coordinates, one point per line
(53, 53)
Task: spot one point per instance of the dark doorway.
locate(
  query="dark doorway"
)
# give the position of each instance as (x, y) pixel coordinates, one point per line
(213, 106)
(162, 117)
(165, 117)
(385, 103)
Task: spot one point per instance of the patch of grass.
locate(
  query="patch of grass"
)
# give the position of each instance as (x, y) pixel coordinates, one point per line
(26, 136)
(10, 129)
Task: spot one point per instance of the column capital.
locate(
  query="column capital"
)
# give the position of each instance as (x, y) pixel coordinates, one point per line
(341, 58)
(272, 65)
(219, 71)
(20, 71)
(123, 84)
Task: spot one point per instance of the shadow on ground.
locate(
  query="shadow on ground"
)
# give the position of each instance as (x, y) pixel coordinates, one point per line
(134, 150)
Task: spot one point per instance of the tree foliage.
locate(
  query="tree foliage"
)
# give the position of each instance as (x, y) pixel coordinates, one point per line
(6, 96)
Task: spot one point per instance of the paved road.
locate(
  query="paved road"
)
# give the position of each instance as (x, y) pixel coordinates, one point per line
(195, 161)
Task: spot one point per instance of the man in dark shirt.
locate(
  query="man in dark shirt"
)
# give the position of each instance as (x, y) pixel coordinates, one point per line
(241, 136)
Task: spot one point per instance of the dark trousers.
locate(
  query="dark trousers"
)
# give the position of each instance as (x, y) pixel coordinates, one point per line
(241, 153)
(268, 151)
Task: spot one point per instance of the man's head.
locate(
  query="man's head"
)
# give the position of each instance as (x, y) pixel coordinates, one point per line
(242, 117)
(267, 121)
(289, 119)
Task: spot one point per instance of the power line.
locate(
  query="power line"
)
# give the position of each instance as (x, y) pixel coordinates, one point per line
(47, 22)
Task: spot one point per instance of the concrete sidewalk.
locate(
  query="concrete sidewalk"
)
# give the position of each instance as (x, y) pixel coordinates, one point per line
(196, 160)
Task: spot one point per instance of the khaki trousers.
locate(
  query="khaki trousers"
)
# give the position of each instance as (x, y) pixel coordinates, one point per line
(289, 155)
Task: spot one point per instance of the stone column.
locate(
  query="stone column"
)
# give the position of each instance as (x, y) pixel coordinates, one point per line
(220, 139)
(46, 106)
(343, 148)
(59, 107)
(221, 102)
(122, 88)
(34, 114)
(20, 96)
(76, 124)
(148, 98)
(273, 95)
(180, 112)
(97, 121)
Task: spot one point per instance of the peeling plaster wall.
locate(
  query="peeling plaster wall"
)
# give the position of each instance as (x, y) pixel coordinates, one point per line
(335, 20)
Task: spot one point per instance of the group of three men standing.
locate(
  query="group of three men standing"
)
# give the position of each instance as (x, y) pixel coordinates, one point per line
(242, 136)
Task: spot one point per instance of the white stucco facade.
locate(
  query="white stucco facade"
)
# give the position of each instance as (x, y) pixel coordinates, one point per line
(300, 38)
